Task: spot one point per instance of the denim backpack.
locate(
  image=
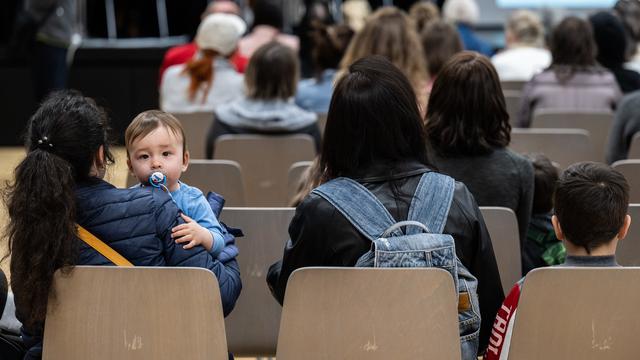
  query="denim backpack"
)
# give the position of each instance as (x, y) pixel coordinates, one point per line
(422, 244)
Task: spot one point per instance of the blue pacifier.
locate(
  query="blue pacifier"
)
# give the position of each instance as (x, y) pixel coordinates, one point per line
(158, 179)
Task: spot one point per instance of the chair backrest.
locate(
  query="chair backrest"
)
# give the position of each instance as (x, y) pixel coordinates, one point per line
(369, 313)
(628, 251)
(265, 162)
(598, 124)
(634, 148)
(502, 225)
(221, 176)
(512, 85)
(512, 102)
(578, 313)
(295, 175)
(252, 327)
(196, 127)
(104, 312)
(562, 146)
(631, 171)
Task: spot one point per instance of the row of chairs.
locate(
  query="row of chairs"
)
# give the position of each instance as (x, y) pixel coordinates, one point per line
(336, 313)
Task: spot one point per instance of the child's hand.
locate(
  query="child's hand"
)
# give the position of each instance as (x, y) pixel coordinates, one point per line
(192, 233)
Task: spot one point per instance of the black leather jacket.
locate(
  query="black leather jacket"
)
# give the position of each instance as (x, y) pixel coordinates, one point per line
(321, 236)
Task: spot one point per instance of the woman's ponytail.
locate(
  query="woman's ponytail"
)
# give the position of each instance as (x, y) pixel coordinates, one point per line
(200, 71)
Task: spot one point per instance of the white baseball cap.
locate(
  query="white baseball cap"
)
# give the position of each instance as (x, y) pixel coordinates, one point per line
(220, 32)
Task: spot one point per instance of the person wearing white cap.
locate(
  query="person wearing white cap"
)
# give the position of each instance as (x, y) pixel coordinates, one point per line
(208, 79)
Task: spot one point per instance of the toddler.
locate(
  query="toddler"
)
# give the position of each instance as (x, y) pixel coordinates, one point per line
(155, 142)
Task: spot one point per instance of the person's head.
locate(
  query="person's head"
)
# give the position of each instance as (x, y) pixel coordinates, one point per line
(524, 28)
(545, 178)
(440, 41)
(373, 118)
(268, 13)
(217, 35)
(467, 114)
(591, 202)
(610, 39)
(329, 45)
(221, 7)
(155, 141)
(461, 11)
(272, 73)
(355, 13)
(389, 32)
(423, 13)
(66, 144)
(572, 43)
(629, 13)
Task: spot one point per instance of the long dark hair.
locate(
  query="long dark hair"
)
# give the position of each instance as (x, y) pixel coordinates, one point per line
(62, 141)
(467, 113)
(373, 117)
(572, 47)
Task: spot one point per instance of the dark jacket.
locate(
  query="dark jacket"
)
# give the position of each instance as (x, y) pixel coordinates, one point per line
(321, 236)
(625, 125)
(137, 224)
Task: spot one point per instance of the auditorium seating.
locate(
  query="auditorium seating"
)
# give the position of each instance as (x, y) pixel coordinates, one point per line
(562, 146)
(512, 85)
(598, 124)
(631, 171)
(221, 176)
(350, 313)
(502, 225)
(628, 251)
(106, 312)
(252, 327)
(196, 127)
(265, 162)
(295, 176)
(634, 149)
(512, 102)
(578, 313)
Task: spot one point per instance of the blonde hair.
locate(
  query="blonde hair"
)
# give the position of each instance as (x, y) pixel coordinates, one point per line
(464, 11)
(423, 13)
(389, 32)
(526, 27)
(147, 121)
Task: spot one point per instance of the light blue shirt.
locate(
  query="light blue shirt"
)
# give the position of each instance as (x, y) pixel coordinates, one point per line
(314, 95)
(193, 204)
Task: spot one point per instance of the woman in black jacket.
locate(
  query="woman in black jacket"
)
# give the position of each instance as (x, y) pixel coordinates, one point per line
(374, 134)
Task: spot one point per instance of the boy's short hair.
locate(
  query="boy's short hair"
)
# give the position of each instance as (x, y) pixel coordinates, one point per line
(591, 203)
(545, 178)
(149, 120)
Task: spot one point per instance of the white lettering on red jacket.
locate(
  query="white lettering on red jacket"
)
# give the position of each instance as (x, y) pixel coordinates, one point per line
(500, 339)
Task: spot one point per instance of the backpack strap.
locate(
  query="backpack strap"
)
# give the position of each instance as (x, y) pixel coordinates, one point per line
(431, 202)
(358, 205)
(104, 249)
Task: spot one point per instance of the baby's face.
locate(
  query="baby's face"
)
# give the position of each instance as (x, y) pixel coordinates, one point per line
(161, 151)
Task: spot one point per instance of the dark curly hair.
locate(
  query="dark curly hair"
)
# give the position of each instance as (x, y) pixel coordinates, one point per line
(466, 114)
(62, 142)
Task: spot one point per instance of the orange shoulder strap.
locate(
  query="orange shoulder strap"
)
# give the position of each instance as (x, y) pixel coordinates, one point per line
(102, 248)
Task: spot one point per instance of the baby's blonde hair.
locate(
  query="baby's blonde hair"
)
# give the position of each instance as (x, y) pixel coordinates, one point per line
(147, 121)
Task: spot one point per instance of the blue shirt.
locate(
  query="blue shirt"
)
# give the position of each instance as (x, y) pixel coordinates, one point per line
(315, 95)
(193, 204)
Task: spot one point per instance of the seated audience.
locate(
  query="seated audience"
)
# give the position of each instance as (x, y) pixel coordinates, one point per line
(423, 13)
(268, 107)
(267, 26)
(591, 203)
(629, 13)
(468, 139)
(355, 13)
(182, 53)
(465, 14)
(626, 124)
(440, 41)
(611, 43)
(58, 186)
(375, 136)
(208, 79)
(317, 15)
(329, 45)
(573, 81)
(525, 54)
(541, 247)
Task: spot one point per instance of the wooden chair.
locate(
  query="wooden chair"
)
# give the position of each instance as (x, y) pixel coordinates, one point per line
(502, 225)
(578, 313)
(221, 176)
(252, 327)
(631, 171)
(512, 85)
(265, 162)
(358, 313)
(104, 312)
(512, 101)
(634, 148)
(296, 171)
(196, 127)
(562, 146)
(598, 124)
(628, 251)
